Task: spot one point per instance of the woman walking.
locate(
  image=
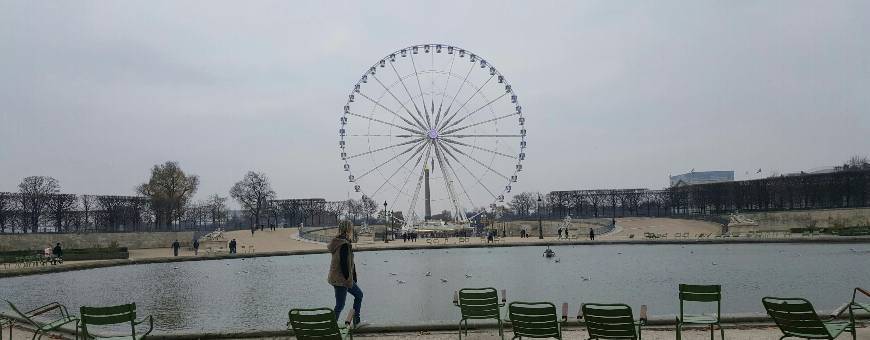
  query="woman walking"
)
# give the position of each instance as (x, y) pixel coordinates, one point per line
(342, 271)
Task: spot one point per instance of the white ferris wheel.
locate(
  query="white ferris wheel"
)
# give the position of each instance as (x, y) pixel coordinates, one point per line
(433, 128)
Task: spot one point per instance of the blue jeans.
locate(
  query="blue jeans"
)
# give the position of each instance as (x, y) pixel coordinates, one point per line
(341, 295)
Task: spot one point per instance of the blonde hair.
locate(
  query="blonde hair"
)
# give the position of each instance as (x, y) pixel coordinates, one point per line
(345, 228)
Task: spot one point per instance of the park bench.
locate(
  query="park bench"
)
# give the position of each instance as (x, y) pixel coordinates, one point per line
(38, 320)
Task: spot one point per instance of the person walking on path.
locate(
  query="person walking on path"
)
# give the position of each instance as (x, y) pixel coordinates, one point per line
(566, 233)
(233, 246)
(195, 246)
(342, 271)
(57, 254)
(592, 234)
(175, 246)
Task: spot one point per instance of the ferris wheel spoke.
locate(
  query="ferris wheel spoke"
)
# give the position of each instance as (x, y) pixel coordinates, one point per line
(447, 181)
(416, 153)
(455, 112)
(443, 92)
(377, 135)
(407, 178)
(447, 140)
(385, 148)
(479, 123)
(419, 123)
(401, 81)
(477, 161)
(461, 85)
(477, 179)
(458, 180)
(484, 136)
(472, 97)
(475, 111)
(385, 162)
(386, 123)
(422, 98)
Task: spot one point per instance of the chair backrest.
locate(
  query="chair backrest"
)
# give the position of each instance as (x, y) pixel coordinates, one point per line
(110, 315)
(22, 315)
(315, 323)
(609, 321)
(534, 319)
(795, 317)
(479, 303)
(701, 293)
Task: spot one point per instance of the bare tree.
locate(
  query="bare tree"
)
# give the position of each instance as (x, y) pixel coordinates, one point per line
(857, 163)
(59, 206)
(8, 207)
(88, 204)
(217, 206)
(368, 207)
(35, 193)
(253, 192)
(522, 203)
(169, 190)
(354, 209)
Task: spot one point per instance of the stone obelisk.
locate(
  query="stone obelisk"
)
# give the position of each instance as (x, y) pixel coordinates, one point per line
(428, 197)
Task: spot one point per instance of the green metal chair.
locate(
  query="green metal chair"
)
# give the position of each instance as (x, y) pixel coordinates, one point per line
(319, 323)
(113, 315)
(703, 294)
(41, 327)
(612, 321)
(479, 304)
(797, 318)
(853, 305)
(5, 322)
(536, 319)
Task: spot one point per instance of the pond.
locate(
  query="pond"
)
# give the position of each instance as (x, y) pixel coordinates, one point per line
(256, 293)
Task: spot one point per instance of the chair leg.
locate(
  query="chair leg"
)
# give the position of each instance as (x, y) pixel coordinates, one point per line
(679, 336)
(500, 329)
(460, 329)
(711, 332)
(722, 332)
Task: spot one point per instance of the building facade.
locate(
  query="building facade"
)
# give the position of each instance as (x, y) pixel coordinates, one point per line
(702, 177)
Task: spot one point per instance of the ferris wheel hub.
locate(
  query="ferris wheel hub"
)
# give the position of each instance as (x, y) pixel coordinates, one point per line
(433, 133)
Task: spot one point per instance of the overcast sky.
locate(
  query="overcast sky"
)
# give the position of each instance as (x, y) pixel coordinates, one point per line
(615, 93)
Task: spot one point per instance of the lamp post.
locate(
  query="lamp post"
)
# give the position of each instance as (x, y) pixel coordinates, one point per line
(386, 221)
(540, 223)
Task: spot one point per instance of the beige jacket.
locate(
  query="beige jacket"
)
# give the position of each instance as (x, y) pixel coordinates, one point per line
(336, 277)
